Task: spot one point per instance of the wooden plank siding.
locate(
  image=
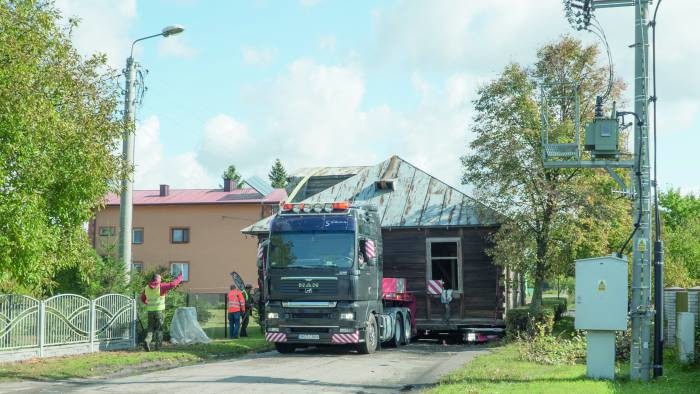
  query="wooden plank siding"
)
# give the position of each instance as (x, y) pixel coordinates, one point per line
(482, 299)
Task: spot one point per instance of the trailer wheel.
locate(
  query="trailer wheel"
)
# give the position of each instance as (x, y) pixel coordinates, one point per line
(369, 346)
(396, 340)
(284, 348)
(407, 330)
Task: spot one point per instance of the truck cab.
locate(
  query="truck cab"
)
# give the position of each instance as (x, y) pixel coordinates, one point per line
(323, 279)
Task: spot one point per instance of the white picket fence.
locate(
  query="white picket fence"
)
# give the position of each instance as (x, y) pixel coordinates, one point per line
(64, 324)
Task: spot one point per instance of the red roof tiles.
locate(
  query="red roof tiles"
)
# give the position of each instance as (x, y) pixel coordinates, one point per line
(200, 196)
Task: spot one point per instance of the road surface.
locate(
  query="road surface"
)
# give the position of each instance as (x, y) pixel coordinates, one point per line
(326, 370)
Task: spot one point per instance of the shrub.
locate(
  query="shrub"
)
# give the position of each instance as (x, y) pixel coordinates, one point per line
(523, 320)
(558, 305)
(543, 348)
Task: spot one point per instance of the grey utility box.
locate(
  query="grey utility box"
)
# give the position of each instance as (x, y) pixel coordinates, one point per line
(602, 138)
(601, 309)
(601, 294)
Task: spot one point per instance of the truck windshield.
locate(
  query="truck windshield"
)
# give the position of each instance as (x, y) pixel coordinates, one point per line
(312, 249)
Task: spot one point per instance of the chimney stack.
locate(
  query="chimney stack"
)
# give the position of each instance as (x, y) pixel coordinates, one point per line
(229, 185)
(164, 190)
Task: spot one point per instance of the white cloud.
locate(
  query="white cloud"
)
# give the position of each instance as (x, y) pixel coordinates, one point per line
(226, 141)
(175, 47)
(153, 167)
(104, 27)
(258, 56)
(315, 115)
(452, 35)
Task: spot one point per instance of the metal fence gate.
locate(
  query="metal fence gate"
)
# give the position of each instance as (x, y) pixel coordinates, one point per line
(64, 324)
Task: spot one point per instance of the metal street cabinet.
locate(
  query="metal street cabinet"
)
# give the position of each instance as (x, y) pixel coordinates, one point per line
(601, 309)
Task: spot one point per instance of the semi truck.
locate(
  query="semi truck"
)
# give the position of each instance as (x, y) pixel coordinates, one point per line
(322, 281)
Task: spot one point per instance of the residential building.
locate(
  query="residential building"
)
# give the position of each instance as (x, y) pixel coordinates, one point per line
(193, 231)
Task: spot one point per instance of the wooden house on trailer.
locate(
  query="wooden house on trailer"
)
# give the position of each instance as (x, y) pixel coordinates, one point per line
(430, 230)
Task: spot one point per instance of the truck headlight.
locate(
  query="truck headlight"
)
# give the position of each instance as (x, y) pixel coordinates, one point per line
(273, 329)
(273, 315)
(347, 316)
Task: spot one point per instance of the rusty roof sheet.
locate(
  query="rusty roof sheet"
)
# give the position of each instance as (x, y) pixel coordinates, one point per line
(417, 199)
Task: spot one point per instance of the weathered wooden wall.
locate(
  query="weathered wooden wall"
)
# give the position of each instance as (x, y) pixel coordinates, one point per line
(405, 257)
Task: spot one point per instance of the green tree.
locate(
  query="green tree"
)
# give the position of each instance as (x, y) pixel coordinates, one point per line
(278, 175)
(59, 129)
(232, 174)
(681, 235)
(552, 215)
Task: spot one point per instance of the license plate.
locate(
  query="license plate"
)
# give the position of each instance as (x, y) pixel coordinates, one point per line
(308, 336)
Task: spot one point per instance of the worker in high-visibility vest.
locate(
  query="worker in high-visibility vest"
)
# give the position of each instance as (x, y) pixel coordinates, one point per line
(153, 296)
(236, 306)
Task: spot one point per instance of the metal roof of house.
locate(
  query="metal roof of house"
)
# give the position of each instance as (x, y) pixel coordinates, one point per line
(200, 196)
(306, 182)
(326, 171)
(413, 198)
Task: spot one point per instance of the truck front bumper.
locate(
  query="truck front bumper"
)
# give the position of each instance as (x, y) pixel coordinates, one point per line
(330, 338)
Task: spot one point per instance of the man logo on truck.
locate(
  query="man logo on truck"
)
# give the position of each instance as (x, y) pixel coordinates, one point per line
(307, 285)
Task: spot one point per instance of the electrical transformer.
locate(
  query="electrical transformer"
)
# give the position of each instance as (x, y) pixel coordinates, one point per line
(602, 138)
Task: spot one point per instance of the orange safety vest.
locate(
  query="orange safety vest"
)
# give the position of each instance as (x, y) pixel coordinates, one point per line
(236, 302)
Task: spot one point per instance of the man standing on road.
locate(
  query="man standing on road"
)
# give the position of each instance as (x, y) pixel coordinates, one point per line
(248, 309)
(153, 296)
(236, 305)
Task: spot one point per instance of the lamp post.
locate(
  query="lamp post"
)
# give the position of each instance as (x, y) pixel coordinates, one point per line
(125, 201)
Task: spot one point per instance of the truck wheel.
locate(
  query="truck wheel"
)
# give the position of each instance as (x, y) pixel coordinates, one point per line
(395, 341)
(284, 348)
(407, 330)
(369, 346)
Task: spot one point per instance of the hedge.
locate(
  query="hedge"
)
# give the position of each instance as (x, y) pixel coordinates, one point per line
(558, 305)
(522, 320)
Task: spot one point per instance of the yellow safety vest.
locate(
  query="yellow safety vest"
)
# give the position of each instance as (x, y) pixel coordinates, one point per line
(156, 302)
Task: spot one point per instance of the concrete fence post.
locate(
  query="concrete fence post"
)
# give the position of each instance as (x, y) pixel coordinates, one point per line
(134, 321)
(42, 327)
(92, 324)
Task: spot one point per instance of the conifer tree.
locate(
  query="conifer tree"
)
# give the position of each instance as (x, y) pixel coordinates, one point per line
(278, 175)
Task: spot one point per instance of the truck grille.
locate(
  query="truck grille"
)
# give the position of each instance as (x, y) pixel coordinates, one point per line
(324, 287)
(310, 316)
(319, 330)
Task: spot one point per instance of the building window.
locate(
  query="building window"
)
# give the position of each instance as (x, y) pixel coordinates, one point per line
(107, 231)
(180, 266)
(444, 261)
(137, 267)
(137, 235)
(179, 235)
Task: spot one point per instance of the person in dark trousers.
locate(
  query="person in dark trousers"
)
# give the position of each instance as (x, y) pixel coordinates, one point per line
(236, 306)
(248, 309)
(153, 296)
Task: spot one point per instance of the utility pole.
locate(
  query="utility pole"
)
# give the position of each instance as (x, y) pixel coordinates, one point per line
(580, 14)
(641, 312)
(126, 200)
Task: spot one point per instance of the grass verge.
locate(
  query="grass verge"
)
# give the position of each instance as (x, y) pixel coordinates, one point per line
(132, 361)
(502, 371)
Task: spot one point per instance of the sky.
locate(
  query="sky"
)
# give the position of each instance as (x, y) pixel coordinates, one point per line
(334, 83)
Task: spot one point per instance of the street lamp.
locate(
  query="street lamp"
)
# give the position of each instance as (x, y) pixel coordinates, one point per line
(125, 201)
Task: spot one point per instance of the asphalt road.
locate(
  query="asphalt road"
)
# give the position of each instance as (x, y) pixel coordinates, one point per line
(327, 370)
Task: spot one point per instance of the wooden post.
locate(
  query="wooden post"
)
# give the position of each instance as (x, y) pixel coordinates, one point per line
(427, 306)
(225, 316)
